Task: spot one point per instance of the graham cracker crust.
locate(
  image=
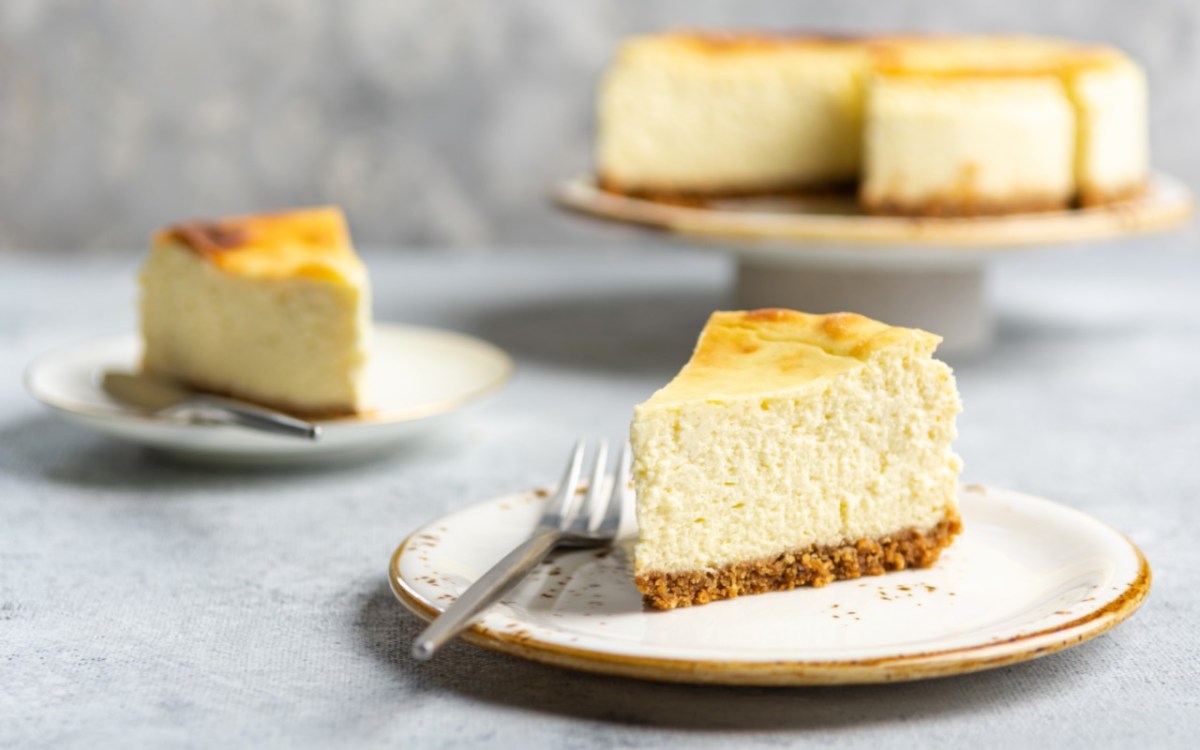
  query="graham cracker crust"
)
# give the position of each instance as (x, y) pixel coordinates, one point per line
(961, 206)
(700, 197)
(947, 206)
(1095, 196)
(814, 566)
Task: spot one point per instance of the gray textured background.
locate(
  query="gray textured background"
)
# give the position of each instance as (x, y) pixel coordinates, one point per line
(438, 123)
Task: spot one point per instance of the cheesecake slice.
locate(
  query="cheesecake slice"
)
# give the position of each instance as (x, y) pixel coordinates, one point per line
(271, 308)
(793, 450)
(695, 115)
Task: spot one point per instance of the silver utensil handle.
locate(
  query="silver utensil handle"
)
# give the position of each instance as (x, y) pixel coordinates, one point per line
(484, 592)
(255, 418)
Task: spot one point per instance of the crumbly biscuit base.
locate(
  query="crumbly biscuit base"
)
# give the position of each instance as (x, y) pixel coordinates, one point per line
(698, 196)
(949, 206)
(943, 206)
(1098, 196)
(814, 566)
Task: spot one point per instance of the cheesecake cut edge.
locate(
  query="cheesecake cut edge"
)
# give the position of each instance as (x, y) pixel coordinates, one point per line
(815, 566)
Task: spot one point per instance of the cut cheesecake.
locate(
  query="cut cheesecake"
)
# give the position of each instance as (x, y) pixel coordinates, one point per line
(793, 450)
(921, 125)
(271, 308)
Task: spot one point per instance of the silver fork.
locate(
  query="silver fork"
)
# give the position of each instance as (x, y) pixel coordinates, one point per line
(565, 522)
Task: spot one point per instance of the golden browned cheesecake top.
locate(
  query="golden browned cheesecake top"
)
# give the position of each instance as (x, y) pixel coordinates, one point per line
(309, 243)
(996, 56)
(734, 42)
(762, 351)
(983, 56)
(705, 48)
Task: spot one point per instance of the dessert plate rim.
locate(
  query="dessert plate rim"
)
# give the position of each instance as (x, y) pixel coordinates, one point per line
(67, 379)
(503, 630)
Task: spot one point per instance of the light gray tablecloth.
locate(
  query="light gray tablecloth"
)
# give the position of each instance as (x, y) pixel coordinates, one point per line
(147, 603)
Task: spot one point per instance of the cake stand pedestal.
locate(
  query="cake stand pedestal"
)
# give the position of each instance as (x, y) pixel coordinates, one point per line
(950, 302)
(823, 255)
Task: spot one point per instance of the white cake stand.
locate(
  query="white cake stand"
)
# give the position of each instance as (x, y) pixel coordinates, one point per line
(824, 255)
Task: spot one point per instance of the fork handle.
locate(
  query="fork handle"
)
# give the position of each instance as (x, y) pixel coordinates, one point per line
(484, 592)
(256, 418)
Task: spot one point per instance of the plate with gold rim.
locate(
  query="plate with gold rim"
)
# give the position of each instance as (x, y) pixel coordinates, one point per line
(422, 374)
(1026, 578)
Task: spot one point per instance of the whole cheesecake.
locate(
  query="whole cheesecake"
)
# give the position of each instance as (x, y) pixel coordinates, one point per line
(923, 125)
(272, 308)
(793, 450)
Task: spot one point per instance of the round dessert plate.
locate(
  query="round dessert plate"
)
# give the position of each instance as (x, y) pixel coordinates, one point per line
(1026, 578)
(421, 376)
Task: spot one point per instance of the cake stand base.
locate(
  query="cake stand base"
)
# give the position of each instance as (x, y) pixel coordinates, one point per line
(948, 302)
(821, 254)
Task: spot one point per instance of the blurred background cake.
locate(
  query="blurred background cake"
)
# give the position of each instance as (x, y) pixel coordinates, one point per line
(923, 125)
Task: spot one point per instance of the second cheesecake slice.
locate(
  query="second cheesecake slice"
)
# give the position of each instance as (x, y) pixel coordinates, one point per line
(272, 308)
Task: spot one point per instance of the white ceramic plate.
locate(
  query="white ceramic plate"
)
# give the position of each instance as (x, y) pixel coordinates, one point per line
(422, 374)
(1027, 577)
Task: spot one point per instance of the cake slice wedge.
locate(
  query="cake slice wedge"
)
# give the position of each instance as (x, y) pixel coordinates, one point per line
(792, 450)
(272, 308)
